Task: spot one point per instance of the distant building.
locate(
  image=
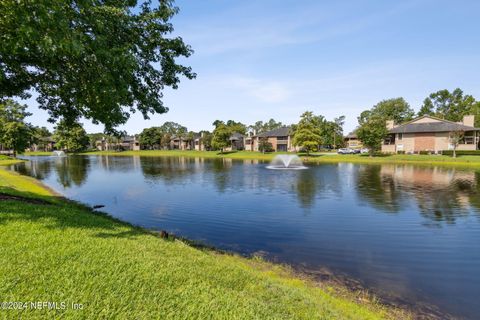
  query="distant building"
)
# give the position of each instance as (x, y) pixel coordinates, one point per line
(182, 143)
(236, 142)
(127, 143)
(431, 134)
(46, 144)
(352, 141)
(198, 142)
(281, 140)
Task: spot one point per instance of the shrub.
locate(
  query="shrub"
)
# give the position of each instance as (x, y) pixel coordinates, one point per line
(400, 152)
(461, 152)
(424, 152)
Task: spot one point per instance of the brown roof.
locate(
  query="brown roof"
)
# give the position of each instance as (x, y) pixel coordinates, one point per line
(439, 126)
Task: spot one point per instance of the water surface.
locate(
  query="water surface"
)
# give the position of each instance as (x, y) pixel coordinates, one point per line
(404, 231)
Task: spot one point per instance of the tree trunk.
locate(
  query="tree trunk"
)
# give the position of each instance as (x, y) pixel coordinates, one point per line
(454, 152)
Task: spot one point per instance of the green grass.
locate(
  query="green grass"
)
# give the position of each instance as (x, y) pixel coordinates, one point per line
(313, 158)
(38, 153)
(64, 252)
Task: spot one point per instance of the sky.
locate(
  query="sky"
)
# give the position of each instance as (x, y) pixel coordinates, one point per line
(262, 59)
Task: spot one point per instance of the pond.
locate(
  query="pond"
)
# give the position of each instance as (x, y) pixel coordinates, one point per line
(408, 233)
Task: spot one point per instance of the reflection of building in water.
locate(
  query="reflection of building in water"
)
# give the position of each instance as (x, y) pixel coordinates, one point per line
(437, 190)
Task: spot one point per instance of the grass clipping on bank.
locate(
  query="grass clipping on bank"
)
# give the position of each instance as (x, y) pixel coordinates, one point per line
(60, 251)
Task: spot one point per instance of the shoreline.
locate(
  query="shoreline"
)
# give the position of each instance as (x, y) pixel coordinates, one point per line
(319, 158)
(288, 273)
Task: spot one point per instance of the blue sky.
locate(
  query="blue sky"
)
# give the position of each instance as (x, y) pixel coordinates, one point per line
(265, 59)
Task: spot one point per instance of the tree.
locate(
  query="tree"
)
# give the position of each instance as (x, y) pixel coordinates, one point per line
(261, 126)
(427, 108)
(15, 134)
(206, 139)
(221, 136)
(264, 145)
(238, 127)
(71, 138)
(396, 109)
(451, 106)
(93, 138)
(308, 134)
(371, 132)
(151, 137)
(338, 129)
(101, 60)
(455, 138)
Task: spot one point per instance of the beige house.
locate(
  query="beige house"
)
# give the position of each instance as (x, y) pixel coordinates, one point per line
(352, 141)
(281, 140)
(124, 143)
(431, 134)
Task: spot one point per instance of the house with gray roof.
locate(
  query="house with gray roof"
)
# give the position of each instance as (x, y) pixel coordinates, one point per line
(281, 140)
(428, 133)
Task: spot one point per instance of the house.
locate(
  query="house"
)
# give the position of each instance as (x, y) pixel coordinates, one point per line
(237, 142)
(123, 143)
(198, 142)
(44, 144)
(428, 133)
(281, 140)
(182, 143)
(352, 141)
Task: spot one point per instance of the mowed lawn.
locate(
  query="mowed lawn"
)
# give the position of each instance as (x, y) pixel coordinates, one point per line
(54, 250)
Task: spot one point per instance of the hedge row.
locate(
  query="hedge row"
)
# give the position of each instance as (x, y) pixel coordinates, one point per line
(462, 152)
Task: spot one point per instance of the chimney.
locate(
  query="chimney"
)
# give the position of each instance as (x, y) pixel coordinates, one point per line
(469, 121)
(390, 124)
(254, 132)
(202, 134)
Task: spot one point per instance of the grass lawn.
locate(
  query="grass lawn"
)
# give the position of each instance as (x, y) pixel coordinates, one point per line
(53, 250)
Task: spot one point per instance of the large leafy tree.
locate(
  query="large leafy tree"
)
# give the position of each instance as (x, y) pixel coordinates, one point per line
(15, 134)
(372, 131)
(261, 126)
(221, 136)
(206, 139)
(396, 109)
(308, 132)
(238, 127)
(151, 137)
(101, 60)
(451, 105)
(70, 137)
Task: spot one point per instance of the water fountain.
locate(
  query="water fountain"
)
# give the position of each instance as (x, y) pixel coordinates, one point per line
(287, 161)
(59, 153)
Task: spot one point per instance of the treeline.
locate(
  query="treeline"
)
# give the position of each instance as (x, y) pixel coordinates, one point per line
(16, 134)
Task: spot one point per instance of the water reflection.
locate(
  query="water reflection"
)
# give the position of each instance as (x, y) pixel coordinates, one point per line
(441, 194)
(72, 170)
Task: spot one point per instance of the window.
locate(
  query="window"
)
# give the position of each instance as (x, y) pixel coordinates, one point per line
(400, 136)
(282, 138)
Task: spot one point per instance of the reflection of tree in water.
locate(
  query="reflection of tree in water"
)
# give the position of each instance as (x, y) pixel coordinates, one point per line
(306, 187)
(475, 193)
(220, 169)
(72, 169)
(39, 169)
(377, 188)
(169, 169)
(118, 164)
(442, 195)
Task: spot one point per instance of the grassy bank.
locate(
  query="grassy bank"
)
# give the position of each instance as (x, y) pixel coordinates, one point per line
(53, 250)
(313, 158)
